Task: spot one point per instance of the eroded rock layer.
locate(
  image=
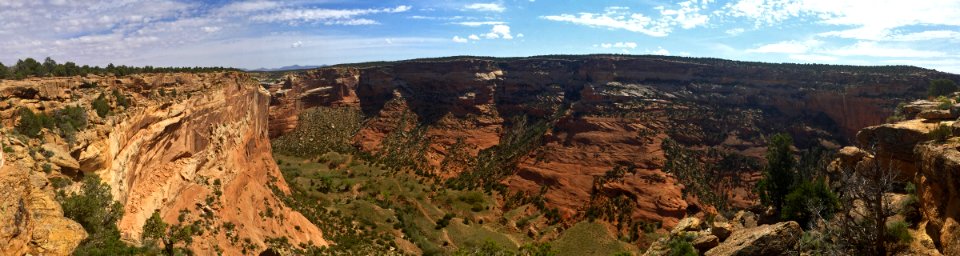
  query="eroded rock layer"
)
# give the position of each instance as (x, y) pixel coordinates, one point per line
(665, 118)
(194, 147)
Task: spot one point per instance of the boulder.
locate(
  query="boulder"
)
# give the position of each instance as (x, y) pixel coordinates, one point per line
(60, 157)
(937, 114)
(913, 108)
(705, 242)
(721, 229)
(745, 219)
(687, 224)
(775, 239)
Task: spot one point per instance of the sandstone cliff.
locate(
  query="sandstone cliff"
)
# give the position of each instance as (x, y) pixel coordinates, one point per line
(588, 115)
(923, 150)
(192, 146)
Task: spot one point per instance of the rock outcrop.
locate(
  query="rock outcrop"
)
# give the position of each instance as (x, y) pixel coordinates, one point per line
(923, 150)
(592, 114)
(194, 147)
(775, 239)
(31, 219)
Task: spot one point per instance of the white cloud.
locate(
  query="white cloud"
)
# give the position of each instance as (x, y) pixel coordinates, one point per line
(661, 51)
(499, 31)
(473, 37)
(687, 16)
(735, 31)
(296, 44)
(479, 23)
(210, 29)
(249, 6)
(458, 39)
(629, 45)
(520, 35)
(868, 19)
(485, 7)
(634, 22)
(327, 16)
(873, 49)
(794, 47)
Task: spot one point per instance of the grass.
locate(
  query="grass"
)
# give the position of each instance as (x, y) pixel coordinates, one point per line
(589, 238)
(366, 209)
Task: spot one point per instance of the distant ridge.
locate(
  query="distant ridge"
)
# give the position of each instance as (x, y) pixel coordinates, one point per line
(286, 68)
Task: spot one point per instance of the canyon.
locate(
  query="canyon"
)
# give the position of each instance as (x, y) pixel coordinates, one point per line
(192, 147)
(433, 156)
(603, 112)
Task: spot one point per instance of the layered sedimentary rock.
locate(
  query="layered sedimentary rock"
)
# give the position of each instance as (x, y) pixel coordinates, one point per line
(194, 147)
(923, 150)
(601, 112)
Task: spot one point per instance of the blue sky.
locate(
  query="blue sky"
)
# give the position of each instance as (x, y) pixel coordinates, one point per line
(264, 33)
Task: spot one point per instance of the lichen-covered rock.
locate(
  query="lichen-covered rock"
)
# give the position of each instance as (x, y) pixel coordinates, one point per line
(775, 239)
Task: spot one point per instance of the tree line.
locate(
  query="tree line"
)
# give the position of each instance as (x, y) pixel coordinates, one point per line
(30, 67)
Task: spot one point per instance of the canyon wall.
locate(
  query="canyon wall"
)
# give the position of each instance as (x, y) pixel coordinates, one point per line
(657, 115)
(194, 147)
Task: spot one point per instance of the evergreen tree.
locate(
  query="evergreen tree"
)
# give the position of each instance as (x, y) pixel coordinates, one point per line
(4, 73)
(778, 175)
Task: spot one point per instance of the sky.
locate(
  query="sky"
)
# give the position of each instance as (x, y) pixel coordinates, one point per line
(265, 33)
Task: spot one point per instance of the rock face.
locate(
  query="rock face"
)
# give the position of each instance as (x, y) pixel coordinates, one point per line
(194, 147)
(910, 148)
(588, 115)
(776, 239)
(31, 219)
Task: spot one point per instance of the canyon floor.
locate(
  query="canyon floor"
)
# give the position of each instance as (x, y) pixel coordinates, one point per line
(548, 155)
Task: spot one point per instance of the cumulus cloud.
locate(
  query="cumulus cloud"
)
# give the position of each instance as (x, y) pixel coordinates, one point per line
(486, 7)
(686, 15)
(458, 39)
(296, 44)
(499, 31)
(473, 37)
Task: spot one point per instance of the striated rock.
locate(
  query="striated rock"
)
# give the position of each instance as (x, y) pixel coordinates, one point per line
(31, 220)
(938, 114)
(206, 145)
(60, 157)
(775, 239)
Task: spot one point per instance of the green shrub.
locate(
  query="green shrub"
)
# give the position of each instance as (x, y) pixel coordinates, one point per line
(443, 222)
(681, 246)
(941, 133)
(96, 211)
(70, 120)
(899, 231)
(101, 106)
(537, 249)
(121, 100)
(797, 205)
(941, 87)
(31, 124)
(945, 103)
